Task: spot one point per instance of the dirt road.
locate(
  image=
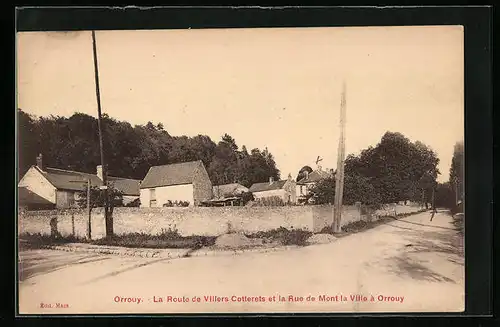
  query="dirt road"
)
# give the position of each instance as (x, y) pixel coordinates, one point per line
(407, 265)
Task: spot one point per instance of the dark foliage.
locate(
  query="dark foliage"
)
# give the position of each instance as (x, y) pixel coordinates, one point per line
(392, 171)
(73, 143)
(284, 236)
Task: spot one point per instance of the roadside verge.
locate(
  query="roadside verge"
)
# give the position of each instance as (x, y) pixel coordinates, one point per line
(159, 253)
(175, 253)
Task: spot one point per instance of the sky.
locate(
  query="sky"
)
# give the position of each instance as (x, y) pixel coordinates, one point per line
(278, 88)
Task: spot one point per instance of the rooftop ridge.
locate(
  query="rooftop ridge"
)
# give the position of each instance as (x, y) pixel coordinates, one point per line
(69, 171)
(228, 184)
(125, 178)
(81, 172)
(281, 180)
(178, 163)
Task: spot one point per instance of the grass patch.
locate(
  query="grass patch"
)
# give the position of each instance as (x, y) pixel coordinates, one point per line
(283, 236)
(166, 240)
(37, 240)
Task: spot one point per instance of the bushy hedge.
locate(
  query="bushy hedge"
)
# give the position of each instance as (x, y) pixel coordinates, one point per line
(270, 201)
(38, 239)
(166, 239)
(176, 203)
(284, 236)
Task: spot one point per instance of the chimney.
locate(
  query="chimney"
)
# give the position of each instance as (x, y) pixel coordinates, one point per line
(271, 180)
(99, 172)
(39, 161)
(289, 177)
(306, 173)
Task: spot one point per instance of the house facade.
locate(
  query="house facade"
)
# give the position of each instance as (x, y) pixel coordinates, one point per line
(61, 188)
(185, 181)
(285, 189)
(310, 179)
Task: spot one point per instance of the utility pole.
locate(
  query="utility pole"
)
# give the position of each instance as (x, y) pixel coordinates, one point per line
(107, 216)
(89, 231)
(434, 210)
(339, 176)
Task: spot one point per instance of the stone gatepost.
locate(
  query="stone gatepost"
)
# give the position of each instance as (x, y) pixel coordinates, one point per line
(358, 208)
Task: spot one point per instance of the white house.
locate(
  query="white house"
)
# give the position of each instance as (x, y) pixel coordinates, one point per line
(285, 189)
(310, 179)
(60, 188)
(185, 181)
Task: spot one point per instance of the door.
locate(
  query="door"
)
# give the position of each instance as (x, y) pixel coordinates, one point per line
(152, 197)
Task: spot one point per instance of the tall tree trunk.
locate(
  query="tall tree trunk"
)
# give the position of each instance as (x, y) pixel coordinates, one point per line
(108, 216)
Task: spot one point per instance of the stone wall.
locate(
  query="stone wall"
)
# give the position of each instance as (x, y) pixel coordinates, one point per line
(397, 209)
(208, 221)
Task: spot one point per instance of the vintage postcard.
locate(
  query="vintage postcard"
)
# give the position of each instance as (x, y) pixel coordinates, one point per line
(258, 170)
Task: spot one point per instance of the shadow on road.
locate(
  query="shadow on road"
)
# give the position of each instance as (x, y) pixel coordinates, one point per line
(425, 239)
(117, 272)
(415, 270)
(35, 266)
(419, 224)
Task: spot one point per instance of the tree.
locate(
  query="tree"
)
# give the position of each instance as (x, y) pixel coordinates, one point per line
(323, 192)
(115, 198)
(456, 178)
(445, 197)
(427, 184)
(302, 172)
(73, 143)
(27, 142)
(229, 140)
(358, 188)
(246, 197)
(396, 167)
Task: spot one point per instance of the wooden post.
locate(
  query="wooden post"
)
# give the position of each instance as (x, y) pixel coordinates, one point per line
(433, 202)
(89, 228)
(339, 176)
(108, 218)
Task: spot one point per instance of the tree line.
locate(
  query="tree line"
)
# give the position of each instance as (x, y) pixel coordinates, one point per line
(394, 170)
(73, 143)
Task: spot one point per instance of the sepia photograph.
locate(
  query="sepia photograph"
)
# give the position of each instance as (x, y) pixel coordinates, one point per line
(241, 170)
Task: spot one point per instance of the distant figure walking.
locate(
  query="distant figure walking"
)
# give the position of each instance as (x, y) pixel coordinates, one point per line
(434, 211)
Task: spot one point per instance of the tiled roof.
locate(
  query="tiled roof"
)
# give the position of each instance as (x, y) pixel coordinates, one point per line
(315, 176)
(77, 181)
(221, 191)
(261, 187)
(173, 174)
(25, 196)
(125, 185)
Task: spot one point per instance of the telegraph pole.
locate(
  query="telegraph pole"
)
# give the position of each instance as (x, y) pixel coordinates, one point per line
(89, 211)
(434, 210)
(107, 217)
(339, 176)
